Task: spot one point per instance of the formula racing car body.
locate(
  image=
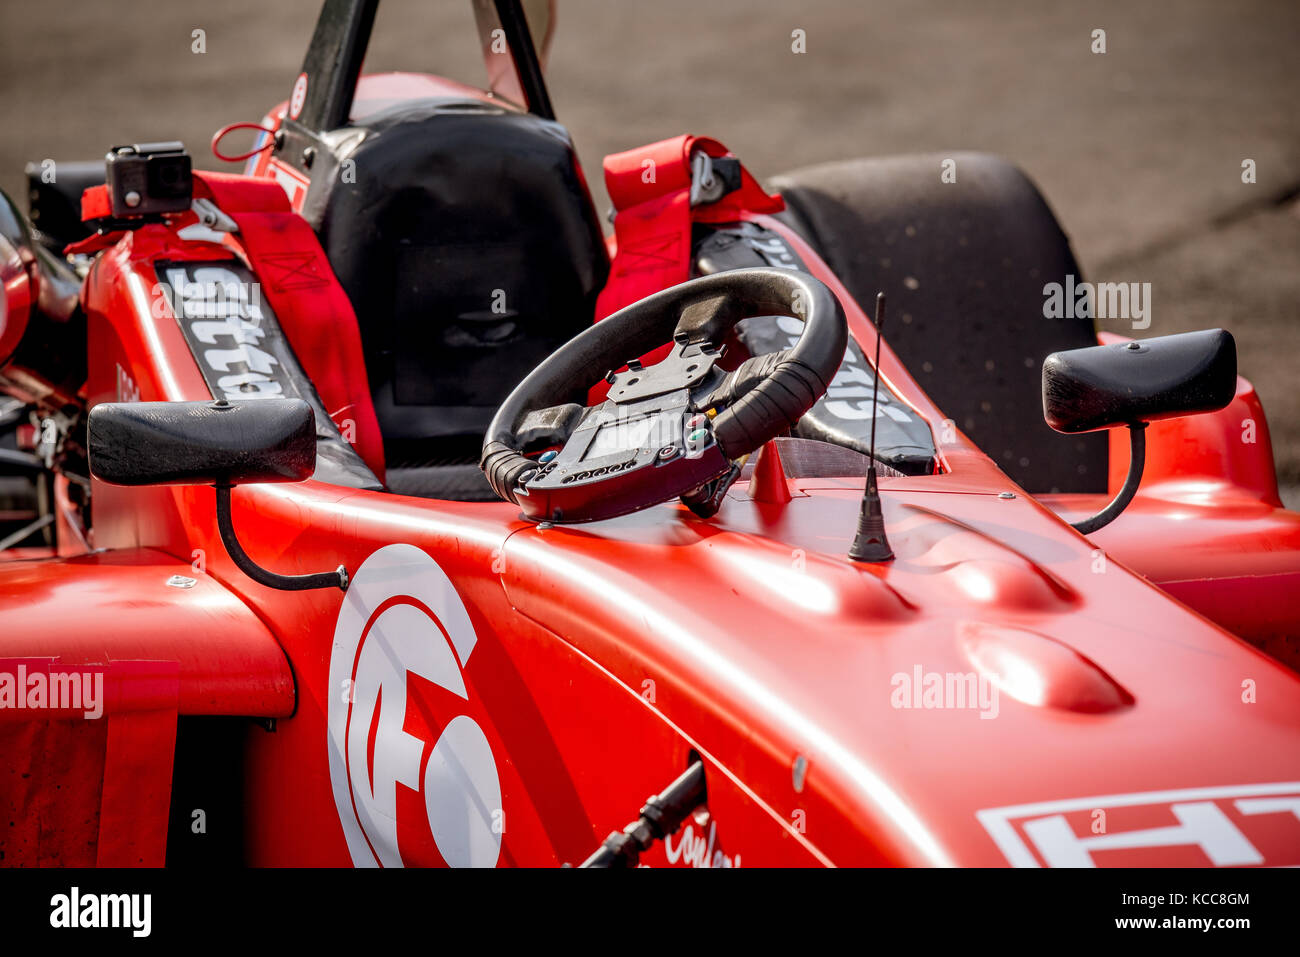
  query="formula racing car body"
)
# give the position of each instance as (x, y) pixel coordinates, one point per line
(434, 614)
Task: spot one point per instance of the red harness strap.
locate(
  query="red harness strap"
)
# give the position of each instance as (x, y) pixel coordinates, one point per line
(304, 293)
(650, 188)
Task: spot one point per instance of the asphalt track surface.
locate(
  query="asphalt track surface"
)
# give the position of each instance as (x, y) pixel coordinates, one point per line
(1139, 150)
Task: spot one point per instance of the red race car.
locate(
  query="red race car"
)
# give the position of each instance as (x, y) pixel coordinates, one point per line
(387, 513)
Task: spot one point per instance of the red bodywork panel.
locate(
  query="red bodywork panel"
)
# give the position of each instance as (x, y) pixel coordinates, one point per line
(81, 791)
(553, 677)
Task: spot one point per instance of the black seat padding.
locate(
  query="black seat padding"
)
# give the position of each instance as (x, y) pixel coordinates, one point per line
(465, 237)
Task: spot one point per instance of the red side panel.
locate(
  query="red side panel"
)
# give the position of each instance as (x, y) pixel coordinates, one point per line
(116, 606)
(51, 775)
(138, 766)
(99, 655)
(1230, 447)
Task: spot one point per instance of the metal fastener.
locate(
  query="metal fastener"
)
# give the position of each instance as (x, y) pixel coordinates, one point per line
(800, 772)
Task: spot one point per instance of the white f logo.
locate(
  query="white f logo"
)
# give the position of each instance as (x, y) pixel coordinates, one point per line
(392, 623)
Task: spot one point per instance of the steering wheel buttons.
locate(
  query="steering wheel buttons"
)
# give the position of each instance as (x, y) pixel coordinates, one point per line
(667, 452)
(697, 421)
(547, 457)
(698, 437)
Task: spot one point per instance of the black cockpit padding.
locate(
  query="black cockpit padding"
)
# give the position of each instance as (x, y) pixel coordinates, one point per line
(465, 238)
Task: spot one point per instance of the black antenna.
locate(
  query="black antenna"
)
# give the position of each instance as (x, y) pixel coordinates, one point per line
(871, 543)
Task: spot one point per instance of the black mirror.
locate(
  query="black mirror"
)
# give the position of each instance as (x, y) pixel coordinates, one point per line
(202, 443)
(1133, 383)
(216, 443)
(1104, 386)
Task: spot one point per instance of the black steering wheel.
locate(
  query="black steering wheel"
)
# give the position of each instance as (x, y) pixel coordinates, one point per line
(674, 428)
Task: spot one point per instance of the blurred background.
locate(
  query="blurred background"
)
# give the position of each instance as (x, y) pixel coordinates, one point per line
(1139, 150)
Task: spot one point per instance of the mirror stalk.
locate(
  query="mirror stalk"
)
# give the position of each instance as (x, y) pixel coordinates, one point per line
(226, 526)
(1137, 432)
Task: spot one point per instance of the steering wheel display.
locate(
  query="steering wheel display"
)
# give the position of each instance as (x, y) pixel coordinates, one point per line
(674, 428)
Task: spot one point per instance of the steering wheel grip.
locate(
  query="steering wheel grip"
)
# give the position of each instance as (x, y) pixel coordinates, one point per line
(700, 310)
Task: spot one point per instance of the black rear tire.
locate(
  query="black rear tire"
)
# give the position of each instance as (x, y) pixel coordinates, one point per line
(963, 265)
